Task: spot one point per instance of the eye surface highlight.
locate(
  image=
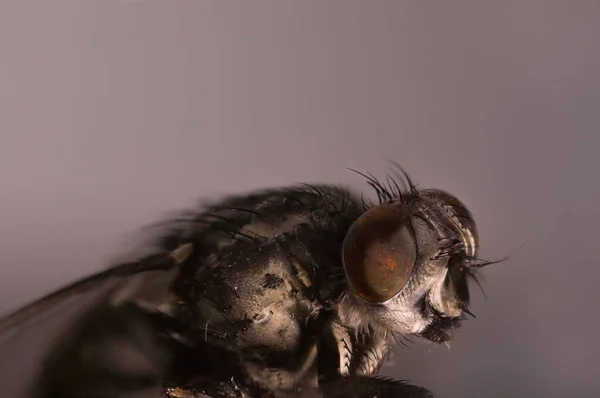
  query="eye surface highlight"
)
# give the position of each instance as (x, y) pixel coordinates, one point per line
(379, 253)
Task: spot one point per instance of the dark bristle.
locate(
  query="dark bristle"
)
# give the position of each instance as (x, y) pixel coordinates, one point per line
(313, 188)
(402, 340)
(389, 190)
(467, 311)
(480, 263)
(411, 185)
(474, 278)
(394, 189)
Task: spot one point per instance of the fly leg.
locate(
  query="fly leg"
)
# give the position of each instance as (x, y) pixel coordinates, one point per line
(345, 352)
(348, 361)
(284, 378)
(370, 352)
(335, 350)
(228, 375)
(370, 387)
(206, 370)
(212, 389)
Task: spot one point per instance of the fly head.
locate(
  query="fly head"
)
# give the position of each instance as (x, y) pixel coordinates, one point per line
(408, 261)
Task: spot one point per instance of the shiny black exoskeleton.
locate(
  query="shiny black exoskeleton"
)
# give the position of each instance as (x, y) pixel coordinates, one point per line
(286, 292)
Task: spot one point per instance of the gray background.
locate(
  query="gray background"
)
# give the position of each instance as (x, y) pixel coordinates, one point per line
(112, 113)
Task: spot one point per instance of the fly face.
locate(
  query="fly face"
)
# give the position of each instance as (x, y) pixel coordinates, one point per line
(407, 262)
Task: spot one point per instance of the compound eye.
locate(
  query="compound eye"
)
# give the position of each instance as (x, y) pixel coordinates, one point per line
(379, 253)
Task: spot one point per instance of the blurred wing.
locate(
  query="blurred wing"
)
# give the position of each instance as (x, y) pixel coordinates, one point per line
(30, 333)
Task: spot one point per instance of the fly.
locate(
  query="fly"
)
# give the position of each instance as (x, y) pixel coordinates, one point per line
(287, 292)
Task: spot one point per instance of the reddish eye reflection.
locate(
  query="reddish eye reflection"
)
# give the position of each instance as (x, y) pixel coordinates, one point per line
(379, 253)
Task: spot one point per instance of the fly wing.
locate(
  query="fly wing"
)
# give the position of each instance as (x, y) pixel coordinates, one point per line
(28, 335)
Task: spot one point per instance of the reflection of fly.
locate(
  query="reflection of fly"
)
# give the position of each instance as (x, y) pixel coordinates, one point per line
(284, 292)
